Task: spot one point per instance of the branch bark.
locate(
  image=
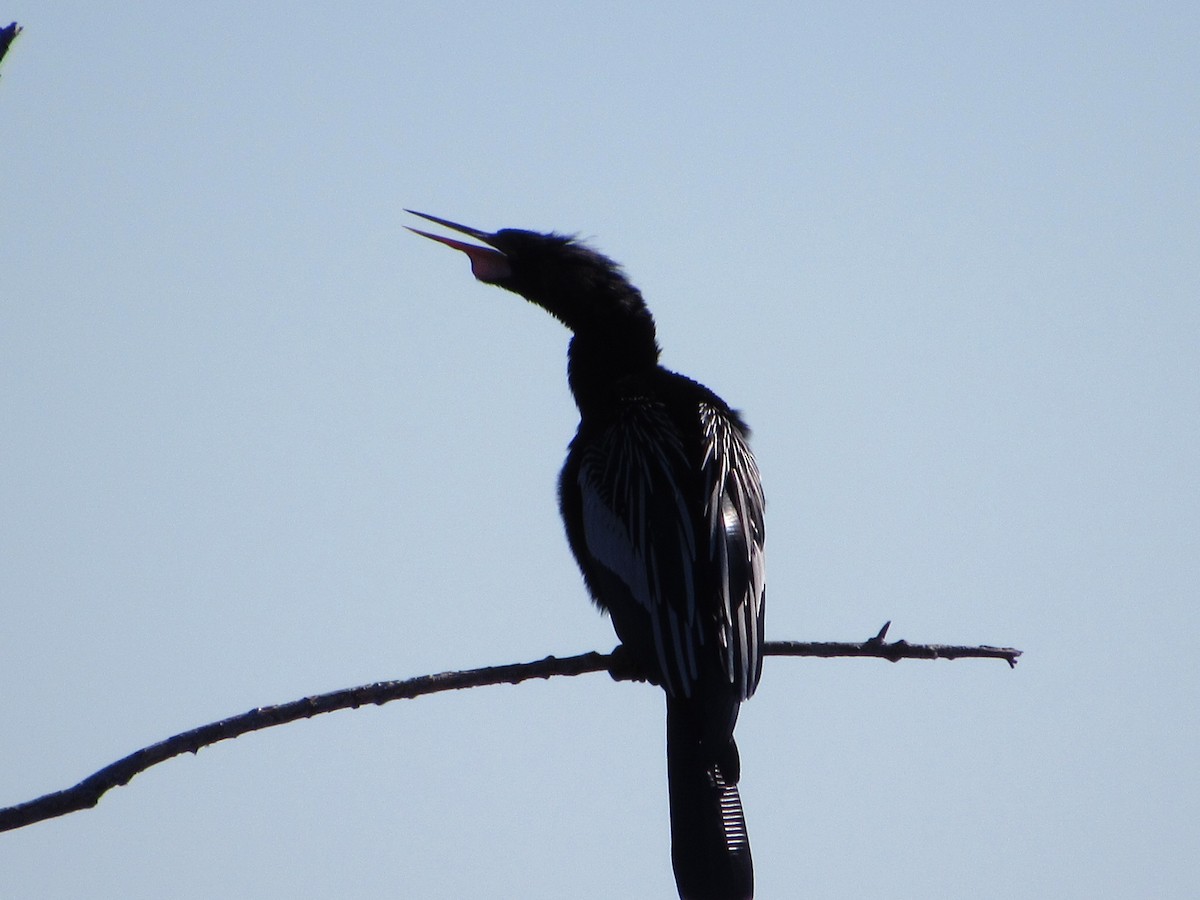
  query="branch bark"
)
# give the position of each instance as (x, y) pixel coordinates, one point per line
(88, 792)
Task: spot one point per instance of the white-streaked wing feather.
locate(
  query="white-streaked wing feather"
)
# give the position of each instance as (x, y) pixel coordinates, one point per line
(637, 524)
(734, 511)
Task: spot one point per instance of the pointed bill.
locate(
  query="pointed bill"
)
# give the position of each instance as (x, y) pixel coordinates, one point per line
(487, 265)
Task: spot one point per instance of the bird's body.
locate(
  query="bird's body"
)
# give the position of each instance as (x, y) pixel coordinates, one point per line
(663, 509)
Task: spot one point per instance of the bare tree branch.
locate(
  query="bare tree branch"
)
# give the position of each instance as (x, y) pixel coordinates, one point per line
(88, 792)
(895, 651)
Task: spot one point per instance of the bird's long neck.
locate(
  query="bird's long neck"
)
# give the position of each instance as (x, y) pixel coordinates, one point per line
(603, 361)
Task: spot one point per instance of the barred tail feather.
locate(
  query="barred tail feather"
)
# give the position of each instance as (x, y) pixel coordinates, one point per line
(710, 848)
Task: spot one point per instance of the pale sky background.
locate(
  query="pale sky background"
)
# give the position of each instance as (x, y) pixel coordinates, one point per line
(257, 441)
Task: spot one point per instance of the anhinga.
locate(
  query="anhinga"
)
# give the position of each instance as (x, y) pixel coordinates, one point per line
(663, 509)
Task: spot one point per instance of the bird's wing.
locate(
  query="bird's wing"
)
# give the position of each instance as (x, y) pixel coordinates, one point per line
(643, 502)
(734, 513)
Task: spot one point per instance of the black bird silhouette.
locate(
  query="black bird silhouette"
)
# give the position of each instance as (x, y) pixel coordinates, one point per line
(663, 509)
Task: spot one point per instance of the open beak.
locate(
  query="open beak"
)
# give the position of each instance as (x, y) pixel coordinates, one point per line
(487, 264)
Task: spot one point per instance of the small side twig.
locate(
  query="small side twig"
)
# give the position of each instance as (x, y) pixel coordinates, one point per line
(88, 792)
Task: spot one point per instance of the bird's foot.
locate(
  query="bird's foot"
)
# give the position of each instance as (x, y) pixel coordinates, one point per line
(624, 665)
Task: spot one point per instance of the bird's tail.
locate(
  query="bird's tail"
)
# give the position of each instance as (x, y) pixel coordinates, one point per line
(710, 848)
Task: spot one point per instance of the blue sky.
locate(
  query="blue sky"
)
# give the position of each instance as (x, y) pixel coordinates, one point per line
(260, 442)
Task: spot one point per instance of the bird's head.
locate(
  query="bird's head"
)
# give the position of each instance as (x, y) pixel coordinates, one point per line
(584, 289)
